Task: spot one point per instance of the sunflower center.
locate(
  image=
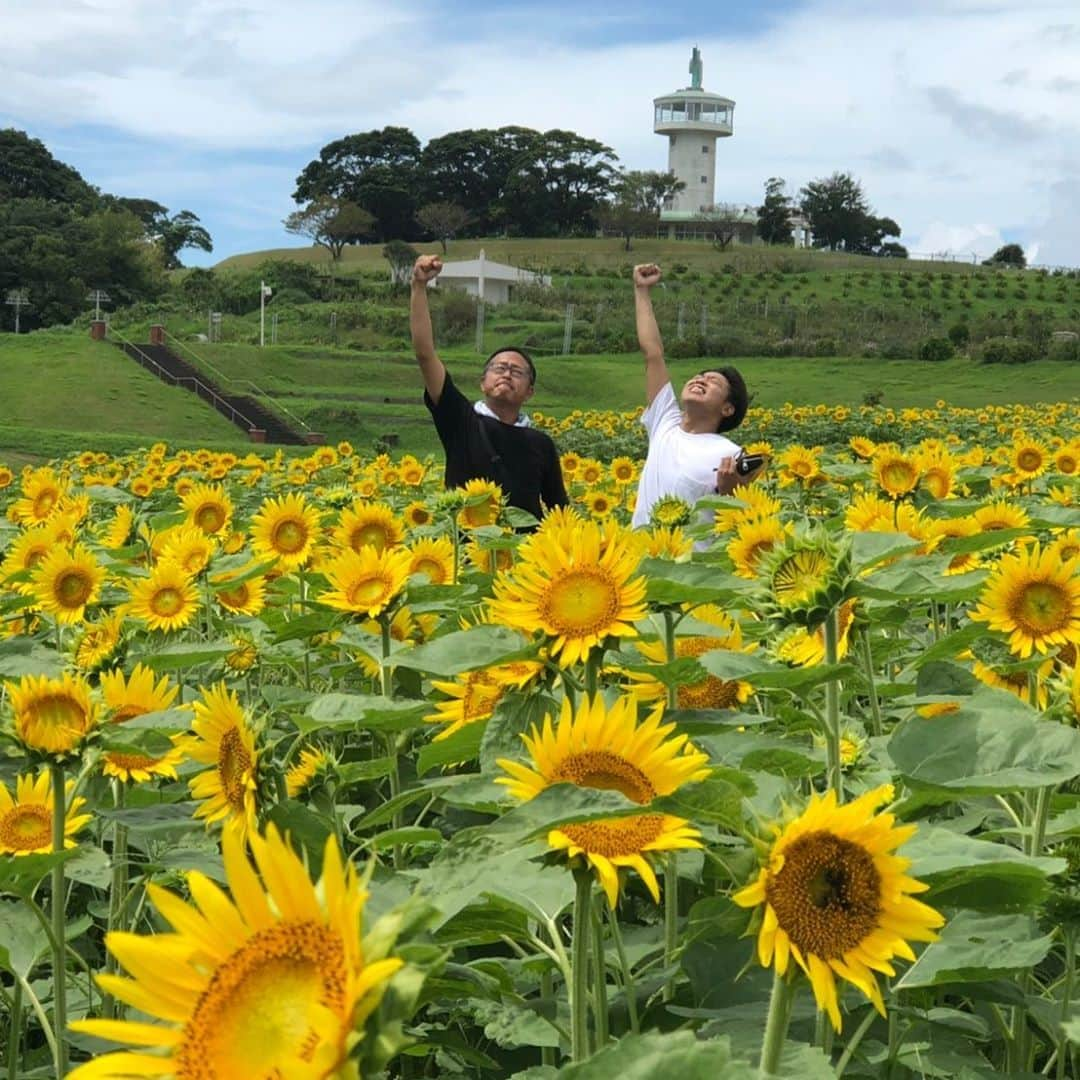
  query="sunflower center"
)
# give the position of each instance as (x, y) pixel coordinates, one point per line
(209, 517)
(798, 577)
(582, 602)
(131, 761)
(26, 828)
(234, 765)
(1029, 460)
(289, 537)
(434, 569)
(235, 598)
(261, 1005)
(1041, 607)
(166, 602)
(57, 711)
(827, 894)
(370, 534)
(615, 837)
(73, 589)
(44, 503)
(368, 591)
(898, 476)
(128, 711)
(606, 771)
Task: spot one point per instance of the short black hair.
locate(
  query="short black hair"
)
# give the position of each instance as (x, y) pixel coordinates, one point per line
(738, 397)
(522, 353)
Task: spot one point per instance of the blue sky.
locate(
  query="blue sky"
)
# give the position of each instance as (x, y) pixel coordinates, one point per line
(960, 117)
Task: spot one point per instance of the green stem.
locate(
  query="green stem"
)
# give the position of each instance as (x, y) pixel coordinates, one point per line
(776, 1025)
(832, 707)
(117, 894)
(43, 1020)
(600, 1002)
(455, 536)
(579, 963)
(669, 653)
(547, 993)
(386, 675)
(671, 920)
(629, 986)
(1066, 998)
(15, 1032)
(868, 668)
(853, 1042)
(57, 901)
(592, 672)
(303, 609)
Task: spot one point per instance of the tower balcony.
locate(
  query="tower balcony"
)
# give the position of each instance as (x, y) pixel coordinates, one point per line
(694, 110)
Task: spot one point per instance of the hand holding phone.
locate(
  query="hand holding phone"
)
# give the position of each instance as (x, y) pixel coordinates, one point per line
(745, 464)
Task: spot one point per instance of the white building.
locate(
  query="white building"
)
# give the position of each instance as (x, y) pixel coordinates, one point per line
(693, 119)
(492, 281)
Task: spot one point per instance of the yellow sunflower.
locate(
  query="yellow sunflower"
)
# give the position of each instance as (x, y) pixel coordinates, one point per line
(208, 508)
(285, 529)
(26, 552)
(474, 695)
(115, 534)
(1034, 597)
(1016, 682)
(52, 715)
(243, 597)
(576, 585)
(433, 558)
(270, 983)
(623, 470)
(365, 582)
(895, 473)
(799, 465)
(609, 749)
(804, 648)
(1001, 515)
(369, 525)
(837, 898)
(489, 560)
(6, 477)
(42, 489)
(862, 447)
(1029, 459)
(570, 463)
(417, 514)
(662, 542)
(26, 820)
(752, 539)
(483, 502)
(223, 740)
(189, 547)
(98, 642)
(303, 774)
(166, 600)
(1067, 459)
(136, 695)
(65, 581)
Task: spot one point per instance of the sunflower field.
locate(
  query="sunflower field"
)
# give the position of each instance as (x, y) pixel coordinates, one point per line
(313, 769)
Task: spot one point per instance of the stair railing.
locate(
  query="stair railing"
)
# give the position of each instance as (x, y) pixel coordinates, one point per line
(224, 407)
(222, 377)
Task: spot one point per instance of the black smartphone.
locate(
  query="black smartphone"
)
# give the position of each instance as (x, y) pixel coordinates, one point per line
(748, 463)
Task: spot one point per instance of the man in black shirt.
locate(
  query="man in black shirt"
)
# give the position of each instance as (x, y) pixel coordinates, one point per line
(491, 439)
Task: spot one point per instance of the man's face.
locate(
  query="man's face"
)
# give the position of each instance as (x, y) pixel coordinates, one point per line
(708, 391)
(506, 379)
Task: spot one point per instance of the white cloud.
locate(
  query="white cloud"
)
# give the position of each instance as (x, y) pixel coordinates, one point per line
(954, 114)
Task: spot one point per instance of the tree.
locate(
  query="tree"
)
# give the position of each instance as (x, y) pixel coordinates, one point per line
(638, 200)
(722, 222)
(443, 220)
(840, 217)
(330, 223)
(774, 214)
(180, 231)
(1008, 255)
(29, 171)
(557, 185)
(401, 257)
(377, 170)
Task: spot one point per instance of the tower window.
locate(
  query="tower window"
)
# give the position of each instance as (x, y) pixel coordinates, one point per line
(705, 149)
(704, 179)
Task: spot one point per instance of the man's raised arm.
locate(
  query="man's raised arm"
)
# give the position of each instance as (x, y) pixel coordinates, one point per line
(425, 269)
(656, 373)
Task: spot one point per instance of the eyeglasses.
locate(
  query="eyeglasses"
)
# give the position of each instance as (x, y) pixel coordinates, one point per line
(508, 369)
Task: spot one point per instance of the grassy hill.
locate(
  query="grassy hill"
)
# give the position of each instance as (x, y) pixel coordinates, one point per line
(805, 327)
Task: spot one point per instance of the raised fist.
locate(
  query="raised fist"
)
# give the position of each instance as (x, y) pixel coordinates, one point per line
(646, 275)
(427, 268)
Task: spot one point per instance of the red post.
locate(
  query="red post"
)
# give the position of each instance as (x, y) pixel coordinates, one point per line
(257, 434)
(157, 335)
(314, 438)
(97, 329)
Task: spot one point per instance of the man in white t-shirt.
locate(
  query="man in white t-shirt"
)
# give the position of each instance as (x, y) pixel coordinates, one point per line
(689, 456)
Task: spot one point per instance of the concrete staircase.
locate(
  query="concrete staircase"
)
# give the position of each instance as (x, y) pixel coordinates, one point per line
(247, 413)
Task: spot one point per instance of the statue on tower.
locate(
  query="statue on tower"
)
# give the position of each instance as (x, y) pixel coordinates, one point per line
(696, 69)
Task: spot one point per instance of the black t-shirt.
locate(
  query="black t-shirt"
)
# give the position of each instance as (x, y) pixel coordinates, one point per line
(521, 460)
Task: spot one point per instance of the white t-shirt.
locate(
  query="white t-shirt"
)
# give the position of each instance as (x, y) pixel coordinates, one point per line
(679, 462)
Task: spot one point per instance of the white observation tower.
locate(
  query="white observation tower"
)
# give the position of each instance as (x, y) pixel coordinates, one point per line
(693, 119)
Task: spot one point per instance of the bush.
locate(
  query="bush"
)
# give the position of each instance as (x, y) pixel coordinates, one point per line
(936, 349)
(959, 334)
(1067, 349)
(1007, 350)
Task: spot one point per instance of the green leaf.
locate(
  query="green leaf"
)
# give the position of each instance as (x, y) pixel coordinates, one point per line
(23, 941)
(922, 578)
(979, 874)
(716, 801)
(307, 626)
(355, 772)
(121, 739)
(407, 835)
(385, 811)
(157, 818)
(964, 545)
(463, 745)
(870, 548)
(467, 650)
(20, 875)
(90, 866)
(941, 678)
(757, 752)
(510, 1025)
(993, 743)
(22, 656)
(186, 654)
(950, 645)
(677, 1054)
(370, 712)
(688, 583)
(726, 664)
(974, 948)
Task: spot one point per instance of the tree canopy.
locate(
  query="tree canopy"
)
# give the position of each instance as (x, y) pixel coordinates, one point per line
(840, 217)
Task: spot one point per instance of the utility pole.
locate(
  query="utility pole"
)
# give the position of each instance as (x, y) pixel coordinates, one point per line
(264, 292)
(99, 297)
(17, 299)
(568, 330)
